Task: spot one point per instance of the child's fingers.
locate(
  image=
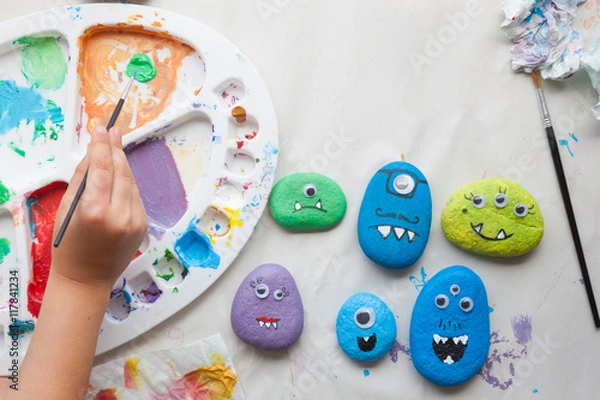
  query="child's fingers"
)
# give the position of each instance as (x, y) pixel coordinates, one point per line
(123, 183)
(101, 170)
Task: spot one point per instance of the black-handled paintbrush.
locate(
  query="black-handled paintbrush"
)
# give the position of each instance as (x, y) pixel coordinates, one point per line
(564, 190)
(111, 123)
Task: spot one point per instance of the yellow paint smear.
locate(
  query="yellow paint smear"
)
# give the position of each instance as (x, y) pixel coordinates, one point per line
(105, 52)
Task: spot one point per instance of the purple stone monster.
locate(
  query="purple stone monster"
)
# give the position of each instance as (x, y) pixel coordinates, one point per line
(267, 309)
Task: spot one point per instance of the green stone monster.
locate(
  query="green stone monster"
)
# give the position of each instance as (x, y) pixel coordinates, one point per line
(493, 217)
(307, 201)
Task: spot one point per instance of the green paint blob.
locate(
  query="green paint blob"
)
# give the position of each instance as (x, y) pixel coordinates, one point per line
(167, 277)
(169, 255)
(143, 65)
(44, 64)
(175, 290)
(17, 150)
(4, 193)
(4, 249)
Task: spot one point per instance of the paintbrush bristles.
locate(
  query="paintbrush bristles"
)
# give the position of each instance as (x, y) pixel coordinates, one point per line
(537, 79)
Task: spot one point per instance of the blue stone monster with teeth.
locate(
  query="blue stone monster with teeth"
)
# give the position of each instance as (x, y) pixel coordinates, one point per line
(450, 327)
(394, 220)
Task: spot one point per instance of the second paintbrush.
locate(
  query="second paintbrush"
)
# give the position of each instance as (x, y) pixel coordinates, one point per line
(111, 123)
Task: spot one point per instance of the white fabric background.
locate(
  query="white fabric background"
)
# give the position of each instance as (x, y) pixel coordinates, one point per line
(349, 100)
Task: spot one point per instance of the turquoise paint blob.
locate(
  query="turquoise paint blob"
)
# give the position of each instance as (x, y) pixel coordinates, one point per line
(18, 104)
(195, 250)
(366, 373)
(144, 67)
(4, 248)
(20, 328)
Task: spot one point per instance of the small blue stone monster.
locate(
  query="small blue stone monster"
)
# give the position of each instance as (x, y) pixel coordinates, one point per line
(450, 327)
(365, 327)
(395, 216)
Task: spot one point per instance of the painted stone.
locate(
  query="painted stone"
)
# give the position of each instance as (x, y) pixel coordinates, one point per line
(493, 217)
(450, 327)
(395, 216)
(267, 309)
(365, 327)
(306, 201)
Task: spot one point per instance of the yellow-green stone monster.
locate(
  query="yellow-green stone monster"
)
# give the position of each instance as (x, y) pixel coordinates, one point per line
(493, 217)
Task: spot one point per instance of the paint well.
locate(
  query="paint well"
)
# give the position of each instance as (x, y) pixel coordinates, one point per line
(104, 56)
(20, 104)
(195, 250)
(159, 184)
(42, 206)
(43, 64)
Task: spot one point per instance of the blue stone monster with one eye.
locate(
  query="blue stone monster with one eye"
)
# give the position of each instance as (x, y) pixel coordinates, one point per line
(450, 327)
(365, 327)
(395, 216)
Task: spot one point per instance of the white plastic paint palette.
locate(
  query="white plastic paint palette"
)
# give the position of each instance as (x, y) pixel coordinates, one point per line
(202, 142)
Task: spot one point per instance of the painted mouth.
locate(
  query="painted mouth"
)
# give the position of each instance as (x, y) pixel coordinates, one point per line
(266, 322)
(317, 206)
(500, 236)
(386, 230)
(366, 343)
(449, 349)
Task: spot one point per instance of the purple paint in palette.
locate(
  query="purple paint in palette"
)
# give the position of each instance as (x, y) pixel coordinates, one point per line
(159, 183)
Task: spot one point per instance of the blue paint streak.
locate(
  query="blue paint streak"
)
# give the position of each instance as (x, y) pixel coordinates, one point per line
(534, 391)
(56, 115)
(195, 250)
(19, 104)
(20, 328)
(564, 142)
(574, 137)
(419, 283)
(366, 372)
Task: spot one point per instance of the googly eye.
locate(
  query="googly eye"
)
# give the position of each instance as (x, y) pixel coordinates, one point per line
(364, 317)
(310, 190)
(521, 210)
(278, 295)
(442, 301)
(454, 289)
(466, 304)
(404, 184)
(261, 291)
(501, 200)
(478, 201)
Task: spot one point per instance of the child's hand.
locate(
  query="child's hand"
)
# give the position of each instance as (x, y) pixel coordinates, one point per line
(109, 222)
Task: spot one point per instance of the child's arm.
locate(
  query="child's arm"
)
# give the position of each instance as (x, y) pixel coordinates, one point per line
(106, 230)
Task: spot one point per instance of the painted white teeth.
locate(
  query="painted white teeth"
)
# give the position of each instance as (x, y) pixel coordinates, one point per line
(319, 205)
(439, 338)
(463, 339)
(399, 232)
(297, 206)
(275, 325)
(478, 228)
(411, 236)
(448, 360)
(268, 324)
(384, 230)
(501, 235)
(261, 324)
(366, 338)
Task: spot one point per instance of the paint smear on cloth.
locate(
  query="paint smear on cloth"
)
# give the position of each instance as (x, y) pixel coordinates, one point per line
(544, 36)
(104, 56)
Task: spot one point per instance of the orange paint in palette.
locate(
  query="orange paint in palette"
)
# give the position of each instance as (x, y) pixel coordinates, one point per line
(104, 54)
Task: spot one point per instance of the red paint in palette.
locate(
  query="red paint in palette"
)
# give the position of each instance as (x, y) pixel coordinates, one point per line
(43, 205)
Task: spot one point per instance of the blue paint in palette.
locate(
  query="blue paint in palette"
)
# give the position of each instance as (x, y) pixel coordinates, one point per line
(18, 104)
(194, 249)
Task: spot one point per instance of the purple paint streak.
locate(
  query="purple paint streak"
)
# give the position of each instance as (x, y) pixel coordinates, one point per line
(397, 347)
(159, 183)
(500, 356)
(151, 293)
(521, 325)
